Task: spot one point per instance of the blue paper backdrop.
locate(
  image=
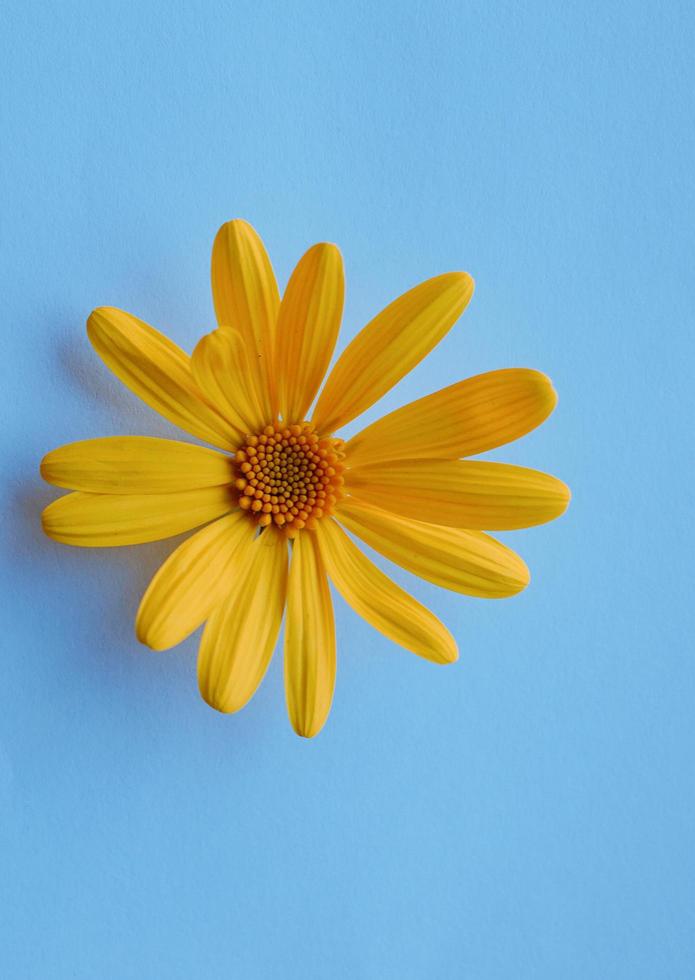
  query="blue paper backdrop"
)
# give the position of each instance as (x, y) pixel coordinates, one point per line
(526, 813)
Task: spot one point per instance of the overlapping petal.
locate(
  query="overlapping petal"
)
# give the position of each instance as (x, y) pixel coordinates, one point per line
(240, 635)
(469, 562)
(308, 325)
(233, 380)
(105, 520)
(245, 292)
(157, 371)
(194, 579)
(135, 464)
(378, 599)
(467, 418)
(390, 346)
(310, 659)
(461, 493)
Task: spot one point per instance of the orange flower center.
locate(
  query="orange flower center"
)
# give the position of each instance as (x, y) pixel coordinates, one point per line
(289, 476)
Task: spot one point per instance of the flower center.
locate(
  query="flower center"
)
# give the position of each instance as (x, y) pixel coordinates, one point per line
(288, 476)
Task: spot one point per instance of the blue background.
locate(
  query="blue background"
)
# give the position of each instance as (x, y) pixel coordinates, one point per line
(527, 813)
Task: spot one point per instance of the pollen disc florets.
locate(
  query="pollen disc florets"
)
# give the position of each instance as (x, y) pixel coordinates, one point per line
(289, 476)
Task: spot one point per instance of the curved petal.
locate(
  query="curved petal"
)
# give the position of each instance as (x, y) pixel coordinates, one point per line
(380, 601)
(157, 371)
(470, 562)
(470, 494)
(193, 580)
(135, 464)
(232, 380)
(105, 520)
(245, 292)
(390, 346)
(467, 418)
(310, 660)
(241, 634)
(308, 325)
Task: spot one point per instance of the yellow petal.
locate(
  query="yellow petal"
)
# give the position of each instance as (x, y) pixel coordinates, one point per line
(390, 346)
(193, 580)
(135, 464)
(245, 292)
(470, 494)
(157, 371)
(380, 601)
(470, 417)
(308, 325)
(104, 520)
(241, 633)
(309, 639)
(470, 562)
(232, 380)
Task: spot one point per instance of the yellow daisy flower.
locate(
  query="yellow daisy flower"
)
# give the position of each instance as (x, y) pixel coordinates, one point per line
(277, 499)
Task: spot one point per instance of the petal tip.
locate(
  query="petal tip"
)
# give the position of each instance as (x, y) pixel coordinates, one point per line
(45, 522)
(236, 229)
(211, 701)
(324, 247)
(233, 225)
(99, 321)
(546, 391)
(45, 467)
(465, 283)
(101, 312)
(451, 655)
(524, 579)
(145, 635)
(518, 574)
(552, 397)
(458, 287)
(564, 497)
(307, 724)
(306, 732)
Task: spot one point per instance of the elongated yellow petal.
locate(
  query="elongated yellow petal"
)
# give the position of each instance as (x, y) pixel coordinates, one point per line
(469, 494)
(157, 371)
(104, 520)
(470, 562)
(380, 601)
(310, 660)
(232, 380)
(245, 292)
(390, 346)
(308, 325)
(193, 580)
(135, 464)
(241, 633)
(467, 418)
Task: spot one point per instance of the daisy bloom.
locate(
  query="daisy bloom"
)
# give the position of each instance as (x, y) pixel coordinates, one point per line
(277, 495)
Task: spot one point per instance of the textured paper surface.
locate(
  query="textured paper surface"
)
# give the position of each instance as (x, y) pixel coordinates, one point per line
(525, 813)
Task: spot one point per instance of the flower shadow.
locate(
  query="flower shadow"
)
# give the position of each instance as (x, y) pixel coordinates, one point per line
(78, 605)
(86, 377)
(70, 576)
